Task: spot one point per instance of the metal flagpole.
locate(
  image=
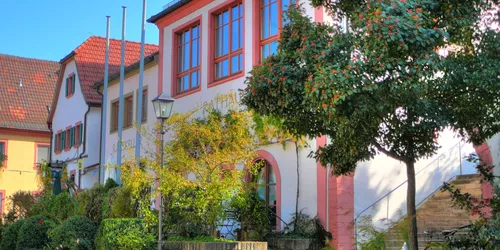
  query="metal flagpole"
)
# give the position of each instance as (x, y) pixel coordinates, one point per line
(141, 83)
(104, 105)
(120, 107)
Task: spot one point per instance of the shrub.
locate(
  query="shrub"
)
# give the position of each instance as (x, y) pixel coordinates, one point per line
(121, 204)
(76, 233)
(91, 203)
(110, 183)
(124, 234)
(20, 205)
(56, 207)
(33, 232)
(9, 235)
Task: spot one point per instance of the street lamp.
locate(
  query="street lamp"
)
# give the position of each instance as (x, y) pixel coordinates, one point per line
(162, 105)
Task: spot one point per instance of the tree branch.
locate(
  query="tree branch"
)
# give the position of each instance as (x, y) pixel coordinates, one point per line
(390, 154)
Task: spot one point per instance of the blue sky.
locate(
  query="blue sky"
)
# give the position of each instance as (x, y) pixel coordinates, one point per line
(50, 29)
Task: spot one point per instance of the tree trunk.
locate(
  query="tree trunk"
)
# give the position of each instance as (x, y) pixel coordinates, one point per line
(410, 206)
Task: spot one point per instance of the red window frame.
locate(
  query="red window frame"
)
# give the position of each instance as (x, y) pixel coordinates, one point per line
(5, 149)
(175, 63)
(129, 111)
(67, 138)
(2, 201)
(39, 144)
(77, 142)
(226, 6)
(69, 85)
(114, 116)
(58, 142)
(257, 27)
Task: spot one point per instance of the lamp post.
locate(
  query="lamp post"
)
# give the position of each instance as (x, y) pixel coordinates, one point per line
(162, 105)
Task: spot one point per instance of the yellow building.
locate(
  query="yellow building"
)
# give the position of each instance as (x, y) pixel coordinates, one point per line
(26, 90)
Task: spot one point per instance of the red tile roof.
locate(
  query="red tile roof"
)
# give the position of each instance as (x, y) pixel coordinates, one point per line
(90, 58)
(26, 89)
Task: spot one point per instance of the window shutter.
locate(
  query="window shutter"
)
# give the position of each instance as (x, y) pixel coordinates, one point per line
(73, 79)
(67, 85)
(71, 137)
(63, 140)
(81, 134)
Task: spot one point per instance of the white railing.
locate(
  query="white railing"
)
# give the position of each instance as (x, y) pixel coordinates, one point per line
(391, 207)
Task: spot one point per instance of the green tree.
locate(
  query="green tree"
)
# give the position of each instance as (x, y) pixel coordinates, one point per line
(382, 87)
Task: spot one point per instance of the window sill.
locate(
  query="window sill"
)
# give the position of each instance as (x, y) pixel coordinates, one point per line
(69, 96)
(67, 149)
(225, 79)
(187, 92)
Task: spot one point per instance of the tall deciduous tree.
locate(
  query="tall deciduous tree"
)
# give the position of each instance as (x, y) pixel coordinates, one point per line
(383, 86)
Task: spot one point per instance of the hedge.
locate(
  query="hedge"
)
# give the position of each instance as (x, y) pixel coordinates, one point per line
(33, 232)
(76, 233)
(9, 235)
(129, 233)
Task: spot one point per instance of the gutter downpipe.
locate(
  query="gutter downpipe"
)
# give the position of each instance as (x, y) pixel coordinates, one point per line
(84, 145)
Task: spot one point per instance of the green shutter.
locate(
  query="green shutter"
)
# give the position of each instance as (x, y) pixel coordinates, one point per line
(67, 85)
(81, 133)
(71, 137)
(73, 84)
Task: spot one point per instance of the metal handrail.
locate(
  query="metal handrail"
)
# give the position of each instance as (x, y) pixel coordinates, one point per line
(397, 187)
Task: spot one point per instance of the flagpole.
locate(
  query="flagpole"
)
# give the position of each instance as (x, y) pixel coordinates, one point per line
(121, 101)
(141, 84)
(104, 105)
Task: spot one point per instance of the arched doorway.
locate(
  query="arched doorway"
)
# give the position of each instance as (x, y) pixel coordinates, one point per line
(269, 185)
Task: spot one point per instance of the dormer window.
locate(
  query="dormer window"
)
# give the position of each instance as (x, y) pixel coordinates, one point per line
(70, 85)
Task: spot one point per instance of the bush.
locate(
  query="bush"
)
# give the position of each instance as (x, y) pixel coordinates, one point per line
(124, 234)
(76, 233)
(33, 232)
(91, 203)
(121, 204)
(57, 208)
(110, 183)
(9, 235)
(21, 203)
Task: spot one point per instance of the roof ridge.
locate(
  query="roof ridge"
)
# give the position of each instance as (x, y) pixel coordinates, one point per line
(31, 58)
(113, 39)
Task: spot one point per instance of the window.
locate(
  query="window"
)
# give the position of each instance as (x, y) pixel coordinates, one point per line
(3, 153)
(271, 21)
(144, 107)
(2, 202)
(188, 59)
(70, 85)
(78, 134)
(229, 41)
(62, 141)
(42, 153)
(114, 116)
(266, 187)
(129, 112)
(56, 142)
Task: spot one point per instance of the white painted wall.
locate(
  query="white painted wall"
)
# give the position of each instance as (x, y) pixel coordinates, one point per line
(68, 112)
(131, 85)
(494, 144)
(286, 159)
(375, 178)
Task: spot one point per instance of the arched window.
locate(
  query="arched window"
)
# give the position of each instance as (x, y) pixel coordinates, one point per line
(266, 187)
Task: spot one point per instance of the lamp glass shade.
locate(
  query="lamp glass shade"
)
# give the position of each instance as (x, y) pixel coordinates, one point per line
(162, 105)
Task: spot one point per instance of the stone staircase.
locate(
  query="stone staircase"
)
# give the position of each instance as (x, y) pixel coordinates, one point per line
(437, 214)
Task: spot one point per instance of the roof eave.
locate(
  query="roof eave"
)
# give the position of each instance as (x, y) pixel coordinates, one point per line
(167, 11)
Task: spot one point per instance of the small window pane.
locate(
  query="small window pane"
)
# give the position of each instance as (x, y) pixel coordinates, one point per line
(218, 42)
(265, 22)
(225, 39)
(42, 154)
(235, 12)
(195, 58)
(235, 43)
(180, 60)
(235, 64)
(196, 32)
(2, 147)
(222, 69)
(274, 19)
(187, 36)
(265, 50)
(194, 79)
(185, 57)
(225, 17)
(274, 48)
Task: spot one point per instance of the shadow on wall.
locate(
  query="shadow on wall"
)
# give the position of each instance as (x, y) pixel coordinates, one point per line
(374, 180)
